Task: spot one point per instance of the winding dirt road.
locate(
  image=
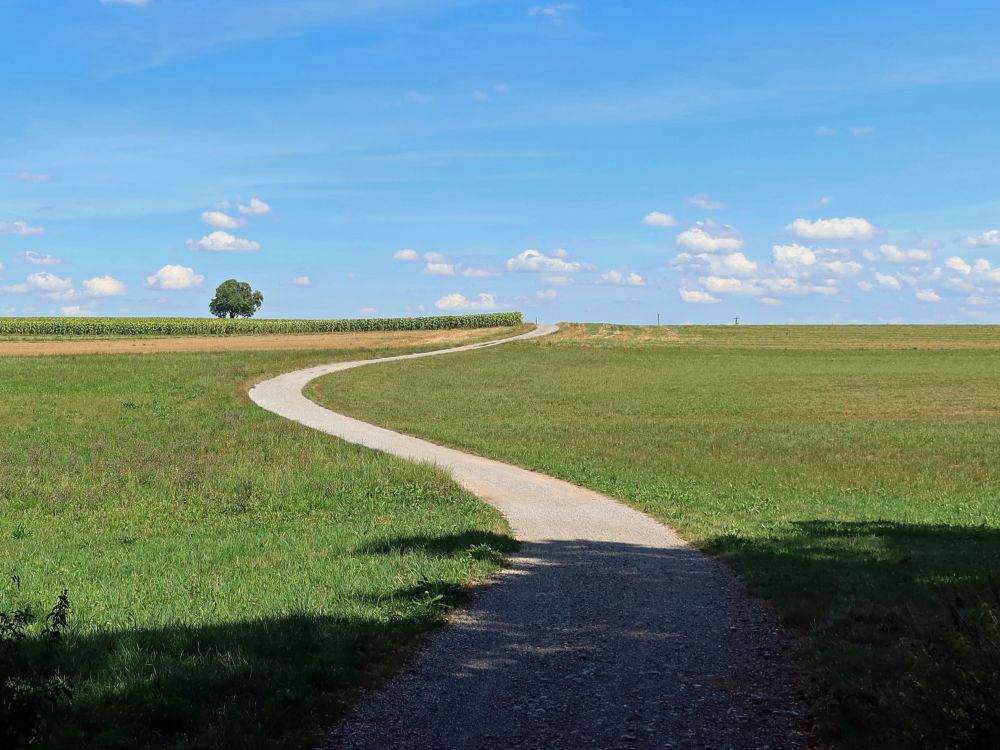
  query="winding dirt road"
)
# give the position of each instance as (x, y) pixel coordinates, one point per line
(605, 630)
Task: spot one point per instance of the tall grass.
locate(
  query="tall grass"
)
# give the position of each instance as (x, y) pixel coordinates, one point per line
(249, 326)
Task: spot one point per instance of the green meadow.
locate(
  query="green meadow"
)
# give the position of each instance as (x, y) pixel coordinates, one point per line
(233, 577)
(851, 475)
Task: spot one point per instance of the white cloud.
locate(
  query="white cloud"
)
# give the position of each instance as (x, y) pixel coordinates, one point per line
(223, 242)
(825, 132)
(38, 259)
(793, 257)
(865, 286)
(175, 278)
(894, 254)
(928, 295)
(19, 228)
(769, 301)
(659, 219)
(985, 272)
(724, 285)
(44, 281)
(33, 177)
(75, 311)
(545, 294)
(697, 296)
(707, 237)
(534, 261)
(369, 311)
(847, 228)
(460, 302)
(781, 285)
(103, 286)
(955, 263)
(617, 278)
(435, 258)
(221, 220)
(439, 269)
(734, 264)
(255, 207)
(302, 281)
(405, 254)
(861, 130)
(989, 238)
(887, 282)
(415, 97)
(701, 200)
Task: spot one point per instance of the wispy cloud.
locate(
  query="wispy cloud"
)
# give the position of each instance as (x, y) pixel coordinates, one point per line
(38, 259)
(33, 177)
(20, 228)
(554, 13)
(701, 200)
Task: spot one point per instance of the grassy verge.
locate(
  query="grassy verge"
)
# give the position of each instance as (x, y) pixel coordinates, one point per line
(851, 475)
(232, 576)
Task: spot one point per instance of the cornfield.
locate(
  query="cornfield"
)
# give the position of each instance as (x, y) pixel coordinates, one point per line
(249, 326)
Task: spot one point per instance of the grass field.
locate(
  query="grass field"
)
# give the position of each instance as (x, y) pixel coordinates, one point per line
(851, 475)
(232, 575)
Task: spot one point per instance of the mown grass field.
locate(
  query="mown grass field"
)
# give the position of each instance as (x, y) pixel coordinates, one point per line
(232, 575)
(850, 474)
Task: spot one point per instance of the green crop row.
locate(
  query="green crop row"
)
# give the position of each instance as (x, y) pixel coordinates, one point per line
(223, 327)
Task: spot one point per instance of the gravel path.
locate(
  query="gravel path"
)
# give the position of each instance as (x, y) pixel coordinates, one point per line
(606, 629)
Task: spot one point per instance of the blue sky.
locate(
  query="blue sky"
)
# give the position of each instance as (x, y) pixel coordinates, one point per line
(776, 161)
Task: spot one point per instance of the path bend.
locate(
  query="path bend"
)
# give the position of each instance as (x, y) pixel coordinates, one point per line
(605, 630)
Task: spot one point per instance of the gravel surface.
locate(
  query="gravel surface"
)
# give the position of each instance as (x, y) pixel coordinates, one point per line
(606, 630)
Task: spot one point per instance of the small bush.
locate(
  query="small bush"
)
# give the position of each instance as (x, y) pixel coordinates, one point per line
(30, 680)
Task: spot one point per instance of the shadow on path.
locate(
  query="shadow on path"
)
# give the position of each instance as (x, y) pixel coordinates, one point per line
(585, 644)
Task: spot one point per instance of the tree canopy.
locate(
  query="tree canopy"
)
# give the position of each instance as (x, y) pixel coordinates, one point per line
(235, 299)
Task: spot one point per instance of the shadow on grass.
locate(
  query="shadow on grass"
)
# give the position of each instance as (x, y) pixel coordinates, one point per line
(610, 639)
(243, 684)
(904, 619)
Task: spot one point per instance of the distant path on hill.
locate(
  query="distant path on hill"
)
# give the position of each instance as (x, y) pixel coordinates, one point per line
(606, 629)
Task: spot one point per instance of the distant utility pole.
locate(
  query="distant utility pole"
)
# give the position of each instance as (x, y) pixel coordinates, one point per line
(736, 321)
(657, 319)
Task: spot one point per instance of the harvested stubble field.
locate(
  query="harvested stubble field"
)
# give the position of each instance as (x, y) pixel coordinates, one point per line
(262, 342)
(850, 474)
(232, 575)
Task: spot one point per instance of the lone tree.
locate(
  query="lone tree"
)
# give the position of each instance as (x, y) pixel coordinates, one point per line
(235, 299)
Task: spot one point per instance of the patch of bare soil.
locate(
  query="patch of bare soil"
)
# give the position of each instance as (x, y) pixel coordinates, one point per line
(369, 340)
